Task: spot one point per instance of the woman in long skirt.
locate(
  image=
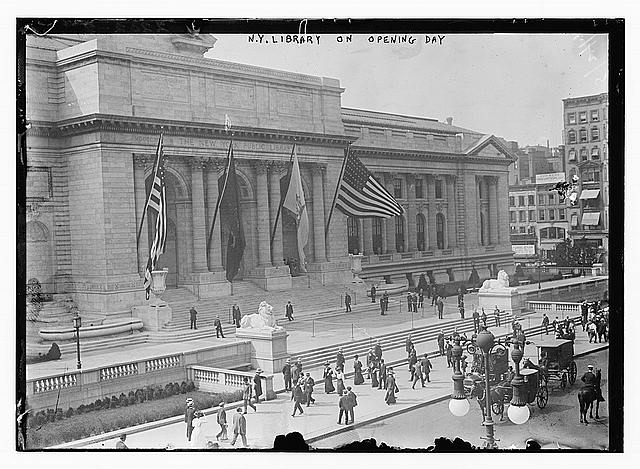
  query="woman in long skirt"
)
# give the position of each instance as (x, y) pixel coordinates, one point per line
(392, 388)
(339, 381)
(357, 368)
(373, 371)
(328, 379)
(198, 438)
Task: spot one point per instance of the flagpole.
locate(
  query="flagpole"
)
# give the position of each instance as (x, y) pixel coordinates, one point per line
(220, 195)
(275, 225)
(344, 163)
(155, 172)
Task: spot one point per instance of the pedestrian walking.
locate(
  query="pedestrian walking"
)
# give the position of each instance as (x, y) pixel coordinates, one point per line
(339, 359)
(286, 375)
(409, 303)
(434, 293)
(416, 375)
(347, 302)
(247, 392)
(377, 350)
(353, 402)
(309, 382)
(357, 371)
(239, 428)
(371, 358)
(496, 316)
(385, 295)
(476, 320)
(236, 315)
(218, 325)
(413, 359)
(257, 384)
(449, 349)
(426, 367)
(554, 324)
(408, 344)
(460, 296)
(440, 340)
(188, 416)
(221, 419)
(373, 293)
(421, 299)
(297, 397)
(120, 444)
(327, 375)
(289, 311)
(382, 305)
(193, 315)
(339, 380)
(392, 387)
(382, 374)
(483, 318)
(545, 323)
(440, 308)
(343, 405)
(373, 372)
(297, 370)
(461, 309)
(198, 438)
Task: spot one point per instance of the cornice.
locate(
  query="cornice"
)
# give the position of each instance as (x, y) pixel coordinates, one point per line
(427, 155)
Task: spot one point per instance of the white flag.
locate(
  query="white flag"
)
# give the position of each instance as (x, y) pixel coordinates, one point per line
(295, 203)
(227, 123)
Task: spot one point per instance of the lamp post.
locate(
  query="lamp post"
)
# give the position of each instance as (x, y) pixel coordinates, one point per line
(518, 411)
(458, 405)
(486, 340)
(77, 324)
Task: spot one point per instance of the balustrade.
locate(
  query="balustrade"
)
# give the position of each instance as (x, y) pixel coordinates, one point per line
(118, 371)
(162, 363)
(55, 382)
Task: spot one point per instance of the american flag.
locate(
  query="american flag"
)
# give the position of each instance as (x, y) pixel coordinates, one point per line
(360, 195)
(157, 202)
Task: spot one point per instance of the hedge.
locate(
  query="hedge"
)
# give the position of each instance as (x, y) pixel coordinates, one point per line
(109, 414)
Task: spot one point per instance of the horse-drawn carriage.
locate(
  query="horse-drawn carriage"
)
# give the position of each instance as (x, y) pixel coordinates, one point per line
(555, 361)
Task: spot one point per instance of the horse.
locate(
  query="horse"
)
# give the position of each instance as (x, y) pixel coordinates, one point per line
(497, 397)
(587, 395)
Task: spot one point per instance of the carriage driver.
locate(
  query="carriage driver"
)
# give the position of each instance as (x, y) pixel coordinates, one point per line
(589, 379)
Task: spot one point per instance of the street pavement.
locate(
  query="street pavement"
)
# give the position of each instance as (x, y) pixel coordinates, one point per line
(320, 419)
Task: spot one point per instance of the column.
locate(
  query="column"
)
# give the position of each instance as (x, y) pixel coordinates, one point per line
(264, 251)
(199, 230)
(493, 209)
(412, 236)
(360, 235)
(319, 250)
(215, 247)
(390, 223)
(503, 209)
(451, 212)
(432, 241)
(274, 203)
(140, 163)
(367, 237)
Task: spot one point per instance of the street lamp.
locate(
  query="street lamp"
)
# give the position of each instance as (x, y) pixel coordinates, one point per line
(518, 411)
(458, 405)
(77, 324)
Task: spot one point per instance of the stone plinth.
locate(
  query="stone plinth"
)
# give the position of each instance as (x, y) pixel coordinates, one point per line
(268, 348)
(507, 299)
(207, 284)
(154, 316)
(271, 278)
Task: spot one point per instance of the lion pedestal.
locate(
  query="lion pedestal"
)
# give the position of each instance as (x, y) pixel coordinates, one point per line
(268, 340)
(497, 292)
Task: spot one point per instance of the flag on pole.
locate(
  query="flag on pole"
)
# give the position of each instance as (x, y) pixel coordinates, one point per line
(295, 203)
(359, 194)
(157, 202)
(227, 123)
(229, 206)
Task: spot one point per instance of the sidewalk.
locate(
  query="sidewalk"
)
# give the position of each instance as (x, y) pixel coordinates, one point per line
(319, 420)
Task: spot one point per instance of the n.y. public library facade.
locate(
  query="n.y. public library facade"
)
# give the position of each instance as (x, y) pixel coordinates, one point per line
(97, 105)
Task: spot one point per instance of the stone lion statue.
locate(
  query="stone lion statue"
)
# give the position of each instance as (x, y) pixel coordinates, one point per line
(264, 319)
(501, 283)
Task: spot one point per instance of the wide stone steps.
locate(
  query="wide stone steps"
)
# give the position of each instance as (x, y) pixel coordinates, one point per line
(182, 335)
(89, 346)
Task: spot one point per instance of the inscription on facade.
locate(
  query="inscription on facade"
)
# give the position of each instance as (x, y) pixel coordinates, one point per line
(161, 87)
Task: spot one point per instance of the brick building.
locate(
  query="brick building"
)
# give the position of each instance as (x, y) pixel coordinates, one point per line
(97, 105)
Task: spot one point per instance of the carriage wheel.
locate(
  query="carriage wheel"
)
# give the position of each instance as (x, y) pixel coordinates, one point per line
(497, 407)
(563, 380)
(542, 397)
(573, 372)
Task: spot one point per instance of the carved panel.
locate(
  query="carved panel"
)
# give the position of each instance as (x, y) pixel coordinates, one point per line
(293, 104)
(230, 95)
(160, 87)
(39, 185)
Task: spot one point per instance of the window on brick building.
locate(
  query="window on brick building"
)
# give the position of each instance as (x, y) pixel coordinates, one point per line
(512, 217)
(595, 153)
(438, 188)
(522, 215)
(595, 134)
(561, 233)
(540, 215)
(532, 215)
(561, 214)
(571, 136)
(520, 200)
(572, 155)
(512, 201)
(531, 200)
(582, 117)
(594, 115)
(571, 118)
(552, 199)
(583, 154)
(397, 188)
(583, 135)
(540, 199)
(419, 191)
(552, 214)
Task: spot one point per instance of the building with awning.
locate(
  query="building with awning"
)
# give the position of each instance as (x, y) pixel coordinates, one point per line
(589, 194)
(591, 219)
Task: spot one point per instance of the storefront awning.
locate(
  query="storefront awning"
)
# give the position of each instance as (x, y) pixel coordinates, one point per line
(591, 218)
(589, 194)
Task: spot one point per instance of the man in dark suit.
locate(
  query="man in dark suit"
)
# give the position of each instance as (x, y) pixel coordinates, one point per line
(496, 316)
(289, 311)
(193, 314)
(377, 350)
(385, 295)
(188, 416)
(382, 306)
(382, 373)
(476, 321)
(347, 302)
(239, 428)
(286, 374)
(236, 315)
(339, 359)
(440, 308)
(408, 345)
(343, 405)
(426, 366)
(373, 293)
(218, 325)
(483, 318)
(308, 389)
(353, 401)
(221, 419)
(296, 397)
(247, 392)
(441, 342)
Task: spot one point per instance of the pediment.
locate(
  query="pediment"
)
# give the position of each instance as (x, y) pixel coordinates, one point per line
(490, 151)
(490, 147)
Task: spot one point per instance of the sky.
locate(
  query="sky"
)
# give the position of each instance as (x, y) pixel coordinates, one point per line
(508, 85)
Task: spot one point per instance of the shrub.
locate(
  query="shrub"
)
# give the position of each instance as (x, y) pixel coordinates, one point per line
(132, 399)
(139, 396)
(114, 402)
(97, 405)
(69, 412)
(191, 386)
(183, 387)
(59, 414)
(81, 409)
(51, 416)
(40, 418)
(176, 389)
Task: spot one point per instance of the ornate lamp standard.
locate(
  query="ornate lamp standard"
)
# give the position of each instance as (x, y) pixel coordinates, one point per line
(77, 324)
(518, 411)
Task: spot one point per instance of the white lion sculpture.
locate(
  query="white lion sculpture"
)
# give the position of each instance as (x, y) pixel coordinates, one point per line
(264, 319)
(501, 283)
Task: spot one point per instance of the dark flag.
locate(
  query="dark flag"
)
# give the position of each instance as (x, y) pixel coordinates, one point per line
(157, 202)
(229, 206)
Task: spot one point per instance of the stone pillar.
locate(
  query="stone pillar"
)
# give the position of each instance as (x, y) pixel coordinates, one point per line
(367, 236)
(264, 251)
(319, 221)
(274, 203)
(360, 235)
(199, 230)
(411, 235)
(451, 212)
(432, 241)
(493, 209)
(503, 209)
(390, 223)
(140, 163)
(215, 248)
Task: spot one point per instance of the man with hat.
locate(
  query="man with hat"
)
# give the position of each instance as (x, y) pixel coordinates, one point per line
(239, 427)
(339, 359)
(589, 379)
(377, 350)
(308, 389)
(286, 374)
(246, 395)
(257, 384)
(352, 401)
(297, 397)
(236, 315)
(221, 419)
(297, 370)
(188, 416)
(193, 314)
(218, 325)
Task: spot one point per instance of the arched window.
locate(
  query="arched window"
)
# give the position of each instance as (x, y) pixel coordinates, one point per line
(420, 231)
(353, 238)
(440, 230)
(400, 233)
(376, 229)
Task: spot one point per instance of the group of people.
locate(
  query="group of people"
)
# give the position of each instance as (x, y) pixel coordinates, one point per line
(193, 317)
(415, 300)
(419, 369)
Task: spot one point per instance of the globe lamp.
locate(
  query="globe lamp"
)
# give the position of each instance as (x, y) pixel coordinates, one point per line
(518, 414)
(459, 407)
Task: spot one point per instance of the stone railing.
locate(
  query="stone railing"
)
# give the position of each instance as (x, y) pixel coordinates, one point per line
(163, 363)
(210, 379)
(554, 307)
(54, 383)
(118, 371)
